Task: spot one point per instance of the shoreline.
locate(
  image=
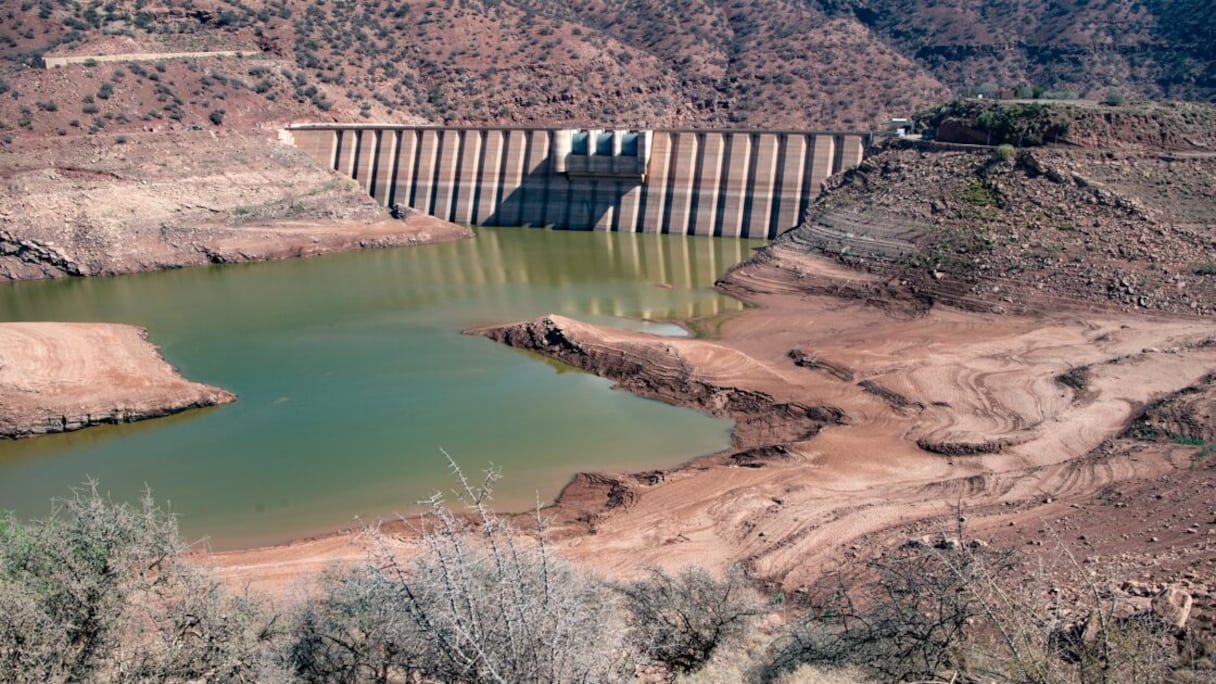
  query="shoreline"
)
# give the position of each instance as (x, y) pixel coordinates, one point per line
(849, 453)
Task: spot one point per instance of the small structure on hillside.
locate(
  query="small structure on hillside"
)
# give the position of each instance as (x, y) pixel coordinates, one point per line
(900, 128)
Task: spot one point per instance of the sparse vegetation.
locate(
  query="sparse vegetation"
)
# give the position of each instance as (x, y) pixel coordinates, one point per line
(481, 602)
(1205, 447)
(978, 193)
(76, 587)
(946, 608)
(100, 591)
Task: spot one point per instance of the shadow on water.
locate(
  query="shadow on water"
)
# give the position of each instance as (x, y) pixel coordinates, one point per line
(352, 373)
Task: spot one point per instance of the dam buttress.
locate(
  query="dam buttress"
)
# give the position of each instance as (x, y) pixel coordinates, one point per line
(750, 184)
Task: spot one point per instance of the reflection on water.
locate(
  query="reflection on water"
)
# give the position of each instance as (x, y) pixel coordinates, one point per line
(352, 374)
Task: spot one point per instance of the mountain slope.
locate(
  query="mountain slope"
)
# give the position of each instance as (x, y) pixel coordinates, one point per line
(1149, 48)
(745, 63)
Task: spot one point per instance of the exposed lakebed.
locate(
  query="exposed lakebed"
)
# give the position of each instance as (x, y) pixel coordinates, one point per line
(352, 375)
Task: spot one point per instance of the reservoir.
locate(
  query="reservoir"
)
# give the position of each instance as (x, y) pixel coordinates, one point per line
(352, 375)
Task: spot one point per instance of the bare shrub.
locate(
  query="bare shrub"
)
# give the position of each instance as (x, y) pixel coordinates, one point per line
(1032, 632)
(906, 619)
(192, 630)
(98, 592)
(478, 601)
(959, 611)
(355, 631)
(680, 620)
(66, 582)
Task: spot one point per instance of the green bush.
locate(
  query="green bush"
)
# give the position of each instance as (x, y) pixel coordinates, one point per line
(1004, 152)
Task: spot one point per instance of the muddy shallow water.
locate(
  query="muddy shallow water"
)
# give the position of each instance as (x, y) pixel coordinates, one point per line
(353, 375)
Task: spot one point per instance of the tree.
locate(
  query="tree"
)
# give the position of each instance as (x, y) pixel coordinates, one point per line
(217, 116)
(1113, 99)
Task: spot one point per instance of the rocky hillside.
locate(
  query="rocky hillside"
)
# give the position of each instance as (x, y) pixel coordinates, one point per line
(1122, 220)
(1148, 48)
(755, 63)
(760, 64)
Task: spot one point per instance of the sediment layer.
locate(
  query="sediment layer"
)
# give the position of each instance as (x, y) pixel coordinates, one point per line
(185, 199)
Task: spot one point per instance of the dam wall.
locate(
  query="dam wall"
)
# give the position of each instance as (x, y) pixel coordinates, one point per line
(748, 184)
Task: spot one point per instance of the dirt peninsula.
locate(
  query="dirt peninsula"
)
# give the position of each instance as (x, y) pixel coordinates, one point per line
(57, 377)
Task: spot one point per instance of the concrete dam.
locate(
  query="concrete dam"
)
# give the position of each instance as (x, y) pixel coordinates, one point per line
(750, 184)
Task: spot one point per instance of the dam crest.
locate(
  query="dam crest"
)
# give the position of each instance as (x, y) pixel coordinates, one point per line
(743, 184)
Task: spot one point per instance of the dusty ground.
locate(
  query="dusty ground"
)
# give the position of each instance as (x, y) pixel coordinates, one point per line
(85, 206)
(863, 425)
(56, 377)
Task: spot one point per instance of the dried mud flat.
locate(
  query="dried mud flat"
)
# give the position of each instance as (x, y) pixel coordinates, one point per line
(863, 422)
(56, 377)
(925, 408)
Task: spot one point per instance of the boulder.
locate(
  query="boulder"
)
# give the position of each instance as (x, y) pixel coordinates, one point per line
(1173, 606)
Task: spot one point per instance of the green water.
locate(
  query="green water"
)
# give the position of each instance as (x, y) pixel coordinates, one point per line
(352, 375)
